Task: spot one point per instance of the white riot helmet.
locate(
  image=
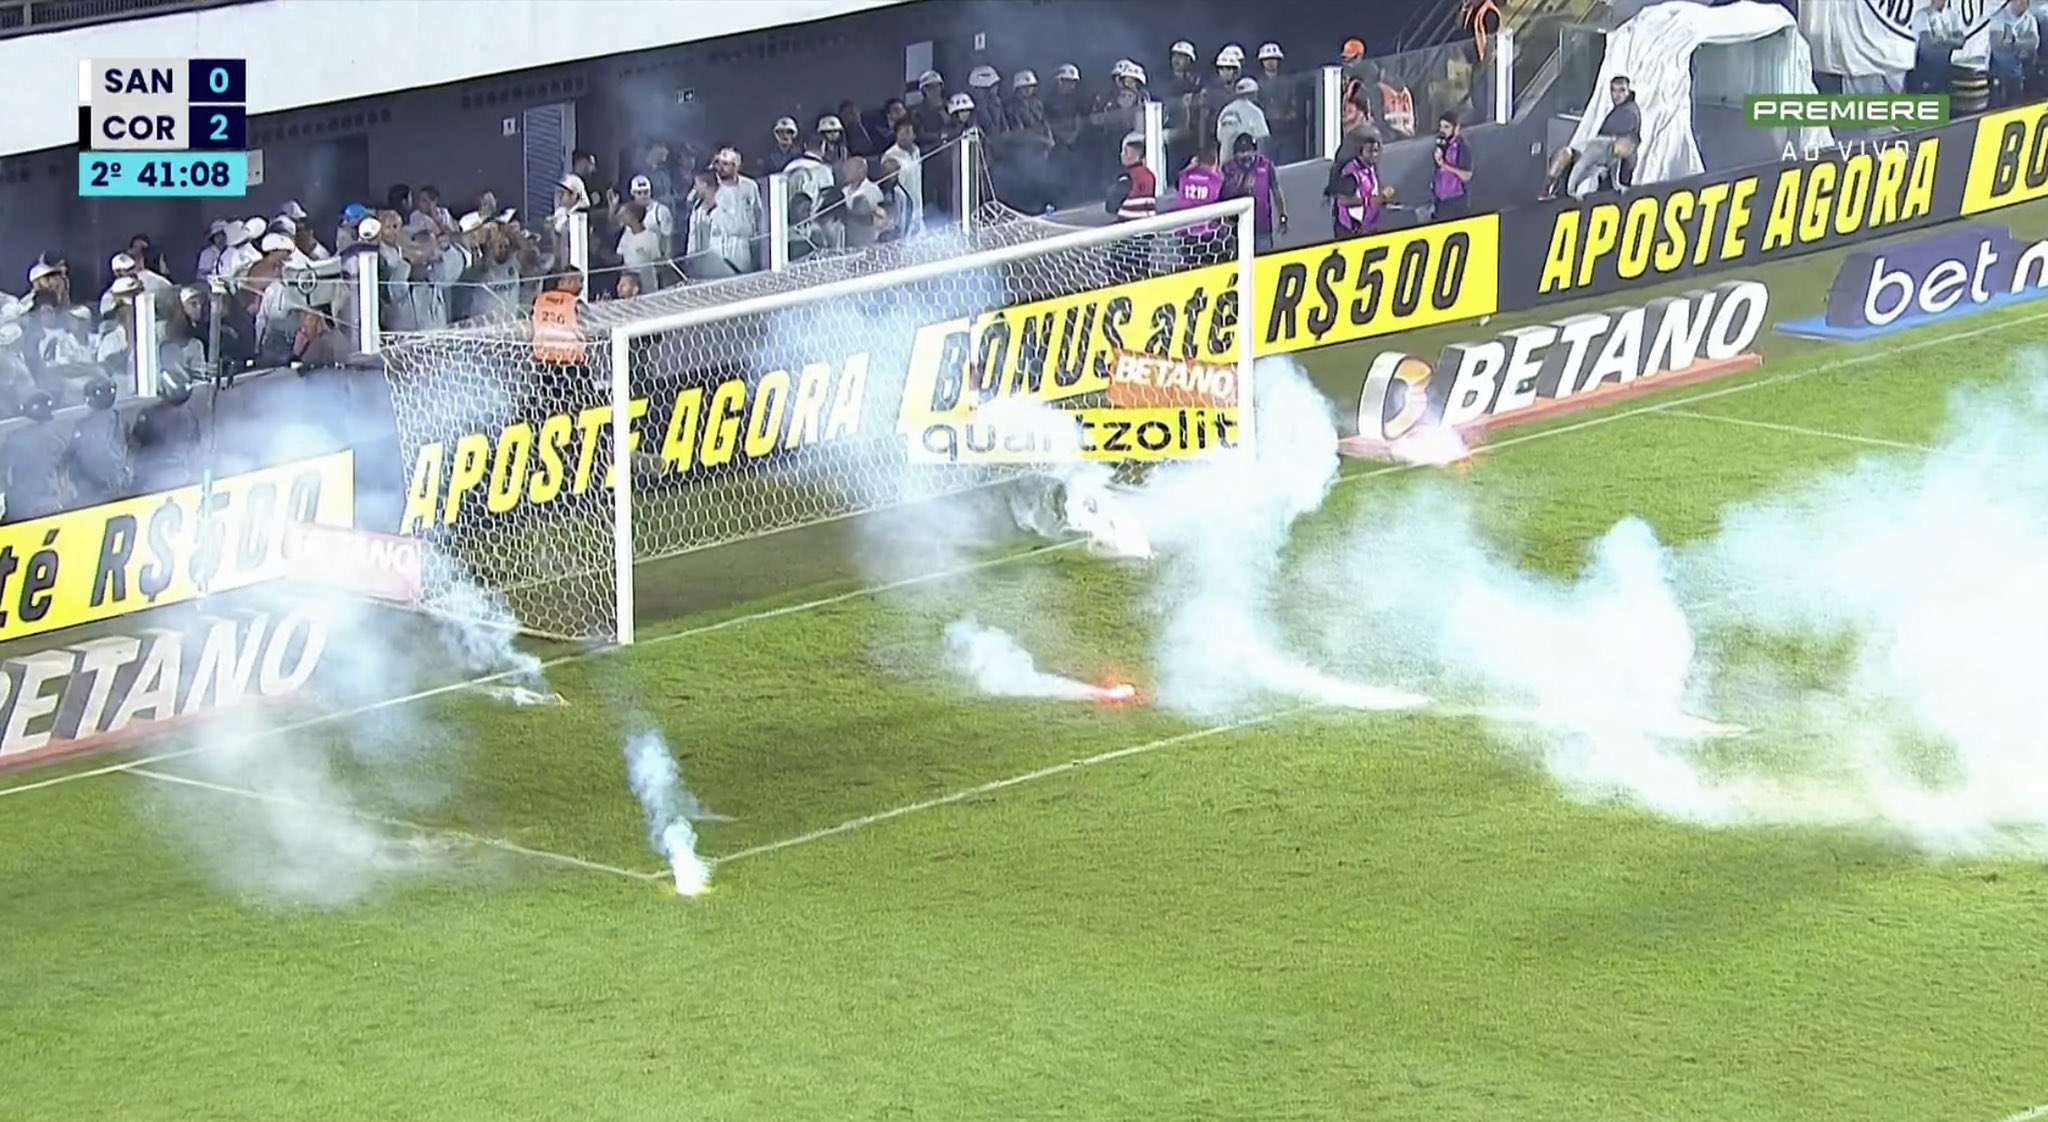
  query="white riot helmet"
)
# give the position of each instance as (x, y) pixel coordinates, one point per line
(1024, 80)
(1067, 72)
(960, 103)
(1272, 52)
(983, 78)
(1231, 56)
(1183, 49)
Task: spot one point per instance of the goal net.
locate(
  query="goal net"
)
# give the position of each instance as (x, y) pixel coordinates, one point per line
(837, 386)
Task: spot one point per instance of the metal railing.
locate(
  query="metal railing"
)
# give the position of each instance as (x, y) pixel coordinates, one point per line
(33, 17)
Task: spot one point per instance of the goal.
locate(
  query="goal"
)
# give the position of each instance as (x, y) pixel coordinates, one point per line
(838, 386)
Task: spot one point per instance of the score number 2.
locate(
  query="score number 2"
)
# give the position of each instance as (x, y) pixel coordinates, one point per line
(218, 128)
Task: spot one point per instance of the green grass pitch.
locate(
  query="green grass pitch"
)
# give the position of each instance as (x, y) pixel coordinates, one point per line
(922, 914)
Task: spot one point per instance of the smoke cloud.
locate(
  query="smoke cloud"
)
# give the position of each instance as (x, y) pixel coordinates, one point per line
(998, 665)
(657, 781)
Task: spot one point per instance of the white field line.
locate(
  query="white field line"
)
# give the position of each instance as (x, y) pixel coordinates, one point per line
(965, 793)
(399, 824)
(2032, 1114)
(944, 574)
(1822, 434)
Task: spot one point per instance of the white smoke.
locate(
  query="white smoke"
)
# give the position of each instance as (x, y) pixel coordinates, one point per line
(997, 665)
(293, 810)
(1222, 526)
(657, 782)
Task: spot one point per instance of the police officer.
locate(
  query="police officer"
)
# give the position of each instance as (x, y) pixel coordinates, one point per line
(31, 460)
(100, 467)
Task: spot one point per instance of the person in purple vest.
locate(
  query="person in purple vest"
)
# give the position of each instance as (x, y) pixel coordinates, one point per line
(1450, 184)
(1252, 173)
(1355, 193)
(1200, 184)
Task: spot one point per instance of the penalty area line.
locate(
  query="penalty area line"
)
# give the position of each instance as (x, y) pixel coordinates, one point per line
(2031, 1114)
(463, 836)
(965, 793)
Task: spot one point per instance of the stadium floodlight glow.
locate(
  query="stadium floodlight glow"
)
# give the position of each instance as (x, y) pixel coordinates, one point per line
(772, 401)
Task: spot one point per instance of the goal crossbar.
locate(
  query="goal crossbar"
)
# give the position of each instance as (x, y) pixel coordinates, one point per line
(1234, 213)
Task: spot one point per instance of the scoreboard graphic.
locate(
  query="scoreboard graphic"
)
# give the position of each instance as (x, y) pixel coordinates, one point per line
(163, 128)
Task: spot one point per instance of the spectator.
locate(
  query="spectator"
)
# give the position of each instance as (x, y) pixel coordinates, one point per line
(97, 460)
(319, 345)
(345, 234)
(117, 329)
(31, 462)
(499, 280)
(239, 254)
(640, 248)
(1135, 192)
(785, 148)
(931, 115)
(861, 138)
(737, 213)
(862, 198)
(2015, 41)
(1355, 194)
(216, 244)
(811, 179)
(1242, 117)
(626, 287)
(49, 285)
(1253, 174)
(398, 199)
(907, 159)
(183, 348)
(705, 261)
(394, 269)
(659, 218)
(303, 240)
(67, 340)
(899, 201)
(1183, 80)
(1450, 185)
(428, 215)
(1201, 183)
(583, 164)
(655, 169)
(149, 257)
(1938, 32)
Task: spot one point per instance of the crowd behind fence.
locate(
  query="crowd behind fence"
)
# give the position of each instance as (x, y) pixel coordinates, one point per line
(296, 289)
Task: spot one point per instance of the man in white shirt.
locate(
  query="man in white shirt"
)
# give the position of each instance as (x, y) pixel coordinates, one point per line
(640, 248)
(910, 173)
(657, 215)
(736, 212)
(216, 244)
(862, 197)
(239, 254)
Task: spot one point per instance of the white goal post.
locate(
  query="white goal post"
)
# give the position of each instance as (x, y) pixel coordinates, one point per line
(768, 360)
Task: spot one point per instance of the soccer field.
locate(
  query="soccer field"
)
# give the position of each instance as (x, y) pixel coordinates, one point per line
(932, 905)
